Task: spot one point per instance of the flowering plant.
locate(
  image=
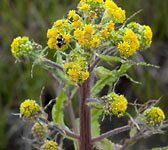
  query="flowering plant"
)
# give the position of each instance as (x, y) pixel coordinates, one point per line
(97, 31)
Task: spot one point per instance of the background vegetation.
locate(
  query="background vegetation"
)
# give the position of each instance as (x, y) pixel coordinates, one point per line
(32, 18)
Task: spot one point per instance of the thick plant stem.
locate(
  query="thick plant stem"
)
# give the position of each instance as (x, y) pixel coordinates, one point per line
(85, 118)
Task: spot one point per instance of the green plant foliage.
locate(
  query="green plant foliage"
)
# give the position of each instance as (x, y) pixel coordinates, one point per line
(161, 148)
(104, 145)
(95, 125)
(57, 112)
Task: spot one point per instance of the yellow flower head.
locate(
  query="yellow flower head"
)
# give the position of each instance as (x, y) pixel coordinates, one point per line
(88, 31)
(21, 46)
(85, 7)
(28, 109)
(49, 145)
(78, 34)
(110, 26)
(92, 14)
(148, 35)
(119, 15)
(104, 34)
(110, 4)
(76, 17)
(95, 42)
(124, 49)
(71, 14)
(154, 116)
(76, 24)
(39, 130)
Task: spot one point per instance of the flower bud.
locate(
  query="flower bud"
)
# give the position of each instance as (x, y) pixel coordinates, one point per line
(154, 116)
(39, 130)
(49, 145)
(116, 104)
(21, 46)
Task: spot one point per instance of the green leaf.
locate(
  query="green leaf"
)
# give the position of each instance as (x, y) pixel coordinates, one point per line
(124, 67)
(57, 112)
(161, 148)
(111, 58)
(131, 79)
(133, 132)
(95, 125)
(102, 82)
(104, 144)
(110, 78)
(101, 72)
(145, 64)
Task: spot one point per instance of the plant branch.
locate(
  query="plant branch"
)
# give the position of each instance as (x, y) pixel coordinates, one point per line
(131, 141)
(64, 131)
(112, 132)
(97, 60)
(52, 63)
(131, 17)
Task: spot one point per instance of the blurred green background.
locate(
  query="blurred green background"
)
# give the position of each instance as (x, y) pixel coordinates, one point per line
(32, 18)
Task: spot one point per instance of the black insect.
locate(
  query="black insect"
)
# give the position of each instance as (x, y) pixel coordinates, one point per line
(60, 41)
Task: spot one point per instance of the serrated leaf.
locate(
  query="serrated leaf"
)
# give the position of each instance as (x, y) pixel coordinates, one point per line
(145, 64)
(104, 144)
(111, 58)
(57, 112)
(95, 125)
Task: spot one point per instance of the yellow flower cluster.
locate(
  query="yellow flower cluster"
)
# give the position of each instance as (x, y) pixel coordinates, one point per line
(85, 7)
(21, 46)
(154, 116)
(76, 19)
(147, 35)
(28, 109)
(59, 36)
(86, 37)
(144, 33)
(130, 43)
(116, 104)
(76, 71)
(110, 26)
(117, 13)
(39, 130)
(49, 145)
